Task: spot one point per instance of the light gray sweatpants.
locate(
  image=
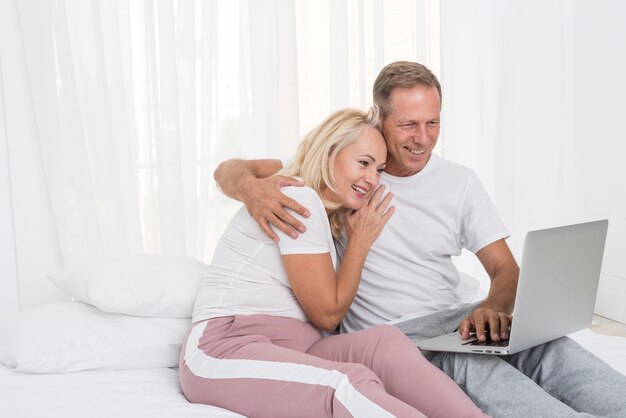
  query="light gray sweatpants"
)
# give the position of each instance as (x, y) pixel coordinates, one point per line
(556, 379)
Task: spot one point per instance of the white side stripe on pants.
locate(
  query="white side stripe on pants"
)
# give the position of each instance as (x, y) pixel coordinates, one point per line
(208, 367)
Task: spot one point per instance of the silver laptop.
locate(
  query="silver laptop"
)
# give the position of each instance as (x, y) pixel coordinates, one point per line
(556, 290)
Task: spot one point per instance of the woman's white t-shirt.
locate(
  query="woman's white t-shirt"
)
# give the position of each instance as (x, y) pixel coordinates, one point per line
(247, 276)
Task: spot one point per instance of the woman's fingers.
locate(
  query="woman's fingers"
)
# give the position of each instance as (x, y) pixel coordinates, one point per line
(382, 205)
(375, 199)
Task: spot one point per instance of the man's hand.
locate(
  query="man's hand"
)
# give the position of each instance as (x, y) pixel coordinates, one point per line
(254, 183)
(493, 315)
(486, 319)
(267, 204)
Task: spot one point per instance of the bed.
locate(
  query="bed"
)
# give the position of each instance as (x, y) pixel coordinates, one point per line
(98, 393)
(113, 350)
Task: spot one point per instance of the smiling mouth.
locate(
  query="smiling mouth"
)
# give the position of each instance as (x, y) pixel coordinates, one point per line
(360, 191)
(415, 151)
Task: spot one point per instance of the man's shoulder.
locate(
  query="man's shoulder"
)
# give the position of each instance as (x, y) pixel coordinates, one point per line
(443, 165)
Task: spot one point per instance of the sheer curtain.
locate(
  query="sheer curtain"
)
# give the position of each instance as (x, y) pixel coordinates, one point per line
(136, 102)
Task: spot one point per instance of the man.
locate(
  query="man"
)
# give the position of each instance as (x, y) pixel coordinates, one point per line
(409, 278)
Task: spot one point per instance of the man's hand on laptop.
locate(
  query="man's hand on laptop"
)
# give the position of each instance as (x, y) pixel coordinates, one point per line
(267, 205)
(486, 319)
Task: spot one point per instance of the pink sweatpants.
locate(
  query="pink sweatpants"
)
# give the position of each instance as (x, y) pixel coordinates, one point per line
(270, 366)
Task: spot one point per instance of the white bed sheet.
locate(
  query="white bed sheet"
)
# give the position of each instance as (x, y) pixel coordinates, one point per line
(156, 392)
(610, 349)
(125, 393)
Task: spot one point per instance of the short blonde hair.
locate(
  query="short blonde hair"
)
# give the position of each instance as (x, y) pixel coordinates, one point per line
(315, 157)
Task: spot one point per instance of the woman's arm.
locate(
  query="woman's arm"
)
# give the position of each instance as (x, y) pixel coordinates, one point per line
(326, 295)
(254, 184)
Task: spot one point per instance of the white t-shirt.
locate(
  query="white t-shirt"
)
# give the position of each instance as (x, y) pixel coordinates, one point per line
(247, 275)
(409, 271)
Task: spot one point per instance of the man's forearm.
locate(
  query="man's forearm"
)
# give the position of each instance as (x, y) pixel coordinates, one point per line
(231, 174)
(494, 313)
(503, 289)
(503, 272)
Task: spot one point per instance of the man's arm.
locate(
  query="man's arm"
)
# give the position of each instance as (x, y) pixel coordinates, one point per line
(495, 311)
(253, 183)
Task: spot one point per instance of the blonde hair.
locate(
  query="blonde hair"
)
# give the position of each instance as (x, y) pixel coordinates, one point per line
(315, 157)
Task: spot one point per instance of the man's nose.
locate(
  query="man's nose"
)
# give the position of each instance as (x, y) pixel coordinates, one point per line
(419, 133)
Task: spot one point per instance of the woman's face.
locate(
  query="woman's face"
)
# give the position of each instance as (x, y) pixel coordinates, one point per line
(357, 169)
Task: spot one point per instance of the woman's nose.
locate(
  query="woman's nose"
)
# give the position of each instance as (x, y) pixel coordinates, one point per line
(372, 177)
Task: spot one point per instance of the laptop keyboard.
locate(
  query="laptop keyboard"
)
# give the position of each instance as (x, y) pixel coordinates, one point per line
(488, 343)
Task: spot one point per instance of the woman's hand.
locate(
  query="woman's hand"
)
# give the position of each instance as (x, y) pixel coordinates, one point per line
(366, 223)
(326, 295)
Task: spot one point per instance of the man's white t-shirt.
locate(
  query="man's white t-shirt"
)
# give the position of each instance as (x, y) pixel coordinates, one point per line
(247, 275)
(409, 271)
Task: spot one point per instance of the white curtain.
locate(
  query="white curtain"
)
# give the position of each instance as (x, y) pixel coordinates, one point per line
(134, 103)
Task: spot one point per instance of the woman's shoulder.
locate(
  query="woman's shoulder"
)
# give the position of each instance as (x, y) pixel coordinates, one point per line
(307, 197)
(301, 192)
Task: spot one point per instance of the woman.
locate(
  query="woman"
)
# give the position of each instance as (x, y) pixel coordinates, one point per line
(257, 346)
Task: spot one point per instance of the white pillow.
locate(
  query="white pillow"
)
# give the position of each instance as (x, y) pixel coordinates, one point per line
(144, 285)
(71, 336)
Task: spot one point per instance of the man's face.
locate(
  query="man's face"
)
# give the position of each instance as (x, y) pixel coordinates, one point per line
(411, 129)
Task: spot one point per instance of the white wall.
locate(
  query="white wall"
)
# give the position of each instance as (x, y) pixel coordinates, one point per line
(534, 101)
(600, 137)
